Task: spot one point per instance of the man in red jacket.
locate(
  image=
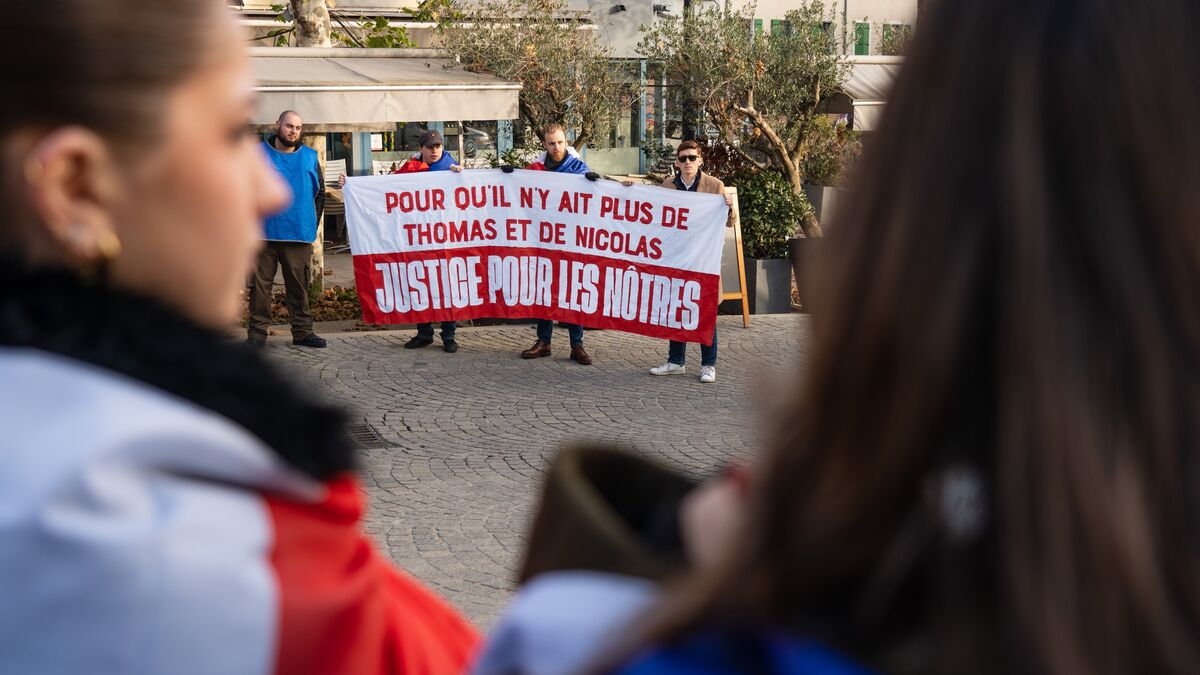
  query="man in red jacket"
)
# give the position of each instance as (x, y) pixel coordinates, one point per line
(432, 158)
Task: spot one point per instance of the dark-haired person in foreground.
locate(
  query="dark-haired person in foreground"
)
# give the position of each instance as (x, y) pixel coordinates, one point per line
(169, 503)
(1001, 477)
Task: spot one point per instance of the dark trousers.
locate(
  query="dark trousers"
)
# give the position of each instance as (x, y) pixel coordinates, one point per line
(545, 331)
(425, 330)
(677, 352)
(296, 260)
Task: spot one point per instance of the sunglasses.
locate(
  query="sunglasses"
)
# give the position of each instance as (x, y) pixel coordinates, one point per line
(688, 158)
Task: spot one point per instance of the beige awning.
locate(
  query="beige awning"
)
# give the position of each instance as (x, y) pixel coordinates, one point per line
(868, 85)
(346, 88)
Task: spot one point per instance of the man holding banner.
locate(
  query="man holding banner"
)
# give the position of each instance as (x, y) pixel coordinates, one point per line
(433, 246)
(688, 160)
(432, 158)
(560, 158)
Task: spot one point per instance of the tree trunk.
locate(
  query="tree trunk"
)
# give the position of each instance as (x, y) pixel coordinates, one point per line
(311, 19)
(581, 140)
(317, 142)
(810, 225)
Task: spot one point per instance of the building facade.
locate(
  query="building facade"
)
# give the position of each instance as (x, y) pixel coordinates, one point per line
(865, 27)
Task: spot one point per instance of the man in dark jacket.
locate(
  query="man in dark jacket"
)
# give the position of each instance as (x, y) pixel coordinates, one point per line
(289, 236)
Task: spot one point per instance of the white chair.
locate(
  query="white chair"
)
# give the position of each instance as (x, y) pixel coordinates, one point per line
(334, 169)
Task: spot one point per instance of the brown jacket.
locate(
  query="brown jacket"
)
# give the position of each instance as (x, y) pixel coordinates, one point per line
(709, 184)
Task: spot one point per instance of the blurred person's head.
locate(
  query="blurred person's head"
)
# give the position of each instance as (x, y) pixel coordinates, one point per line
(994, 462)
(289, 130)
(431, 146)
(126, 148)
(688, 159)
(554, 141)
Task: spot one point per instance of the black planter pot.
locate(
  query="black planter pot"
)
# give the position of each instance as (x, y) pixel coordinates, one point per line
(805, 254)
(769, 285)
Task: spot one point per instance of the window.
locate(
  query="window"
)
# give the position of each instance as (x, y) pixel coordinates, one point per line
(862, 39)
(758, 27)
(776, 27)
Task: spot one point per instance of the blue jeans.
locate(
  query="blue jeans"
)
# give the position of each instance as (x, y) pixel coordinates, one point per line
(677, 353)
(425, 331)
(545, 331)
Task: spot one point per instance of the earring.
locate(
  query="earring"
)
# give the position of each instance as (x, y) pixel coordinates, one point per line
(35, 171)
(109, 245)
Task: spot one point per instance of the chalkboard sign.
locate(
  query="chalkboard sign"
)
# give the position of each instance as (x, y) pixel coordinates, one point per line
(733, 266)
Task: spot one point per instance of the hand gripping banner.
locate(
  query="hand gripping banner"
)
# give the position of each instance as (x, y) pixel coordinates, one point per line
(442, 246)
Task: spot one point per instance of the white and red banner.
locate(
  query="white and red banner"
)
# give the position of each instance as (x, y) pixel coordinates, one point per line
(535, 244)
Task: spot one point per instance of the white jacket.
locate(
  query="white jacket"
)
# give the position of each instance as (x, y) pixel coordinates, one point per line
(131, 543)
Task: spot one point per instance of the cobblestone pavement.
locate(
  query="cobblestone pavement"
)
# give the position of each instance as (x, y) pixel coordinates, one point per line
(473, 431)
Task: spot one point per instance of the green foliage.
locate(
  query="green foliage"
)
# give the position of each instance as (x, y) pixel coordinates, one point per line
(721, 159)
(833, 149)
(894, 39)
(279, 36)
(568, 75)
(377, 33)
(517, 157)
(656, 152)
(761, 92)
(770, 212)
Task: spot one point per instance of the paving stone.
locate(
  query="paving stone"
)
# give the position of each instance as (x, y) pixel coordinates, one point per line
(473, 431)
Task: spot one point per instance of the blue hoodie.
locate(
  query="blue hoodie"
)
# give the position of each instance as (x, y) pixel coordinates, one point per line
(725, 654)
(444, 163)
(301, 170)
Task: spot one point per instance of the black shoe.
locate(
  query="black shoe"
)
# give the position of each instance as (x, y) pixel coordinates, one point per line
(449, 346)
(418, 342)
(256, 343)
(314, 341)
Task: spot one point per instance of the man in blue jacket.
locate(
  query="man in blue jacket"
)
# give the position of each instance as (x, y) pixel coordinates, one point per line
(561, 158)
(289, 236)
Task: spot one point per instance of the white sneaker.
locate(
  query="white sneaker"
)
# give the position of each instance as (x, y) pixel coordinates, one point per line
(708, 374)
(668, 368)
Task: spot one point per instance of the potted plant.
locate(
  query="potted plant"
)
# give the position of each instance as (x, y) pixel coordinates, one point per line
(833, 148)
(770, 212)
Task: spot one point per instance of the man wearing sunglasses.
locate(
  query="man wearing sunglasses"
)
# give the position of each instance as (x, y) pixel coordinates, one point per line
(688, 160)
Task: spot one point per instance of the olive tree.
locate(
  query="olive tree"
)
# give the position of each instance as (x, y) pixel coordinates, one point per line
(568, 75)
(762, 92)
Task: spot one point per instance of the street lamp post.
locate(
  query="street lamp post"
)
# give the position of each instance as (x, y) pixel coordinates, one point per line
(689, 111)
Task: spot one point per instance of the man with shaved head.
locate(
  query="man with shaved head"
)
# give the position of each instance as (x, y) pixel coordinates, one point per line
(289, 236)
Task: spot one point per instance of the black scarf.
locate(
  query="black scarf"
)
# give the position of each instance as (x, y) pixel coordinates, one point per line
(56, 312)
